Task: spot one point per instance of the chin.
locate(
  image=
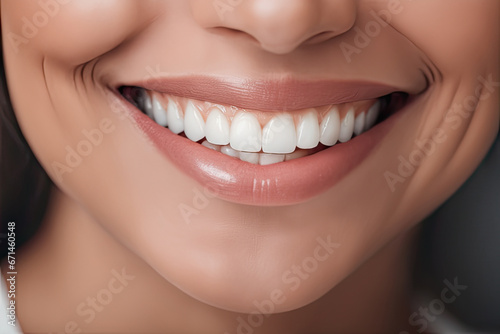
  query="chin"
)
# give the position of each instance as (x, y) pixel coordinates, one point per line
(267, 287)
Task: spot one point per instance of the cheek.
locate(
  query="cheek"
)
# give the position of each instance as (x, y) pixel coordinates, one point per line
(457, 35)
(44, 44)
(71, 31)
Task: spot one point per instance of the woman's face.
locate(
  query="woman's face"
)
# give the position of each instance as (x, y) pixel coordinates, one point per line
(275, 83)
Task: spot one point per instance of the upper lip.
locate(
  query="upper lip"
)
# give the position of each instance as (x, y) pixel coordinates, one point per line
(271, 95)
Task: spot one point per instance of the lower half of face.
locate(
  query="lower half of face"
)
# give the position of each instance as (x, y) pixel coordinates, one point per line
(255, 149)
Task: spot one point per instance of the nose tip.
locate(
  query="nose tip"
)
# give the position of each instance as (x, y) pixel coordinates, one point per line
(280, 26)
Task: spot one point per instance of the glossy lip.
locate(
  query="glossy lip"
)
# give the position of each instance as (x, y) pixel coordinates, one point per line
(285, 183)
(287, 94)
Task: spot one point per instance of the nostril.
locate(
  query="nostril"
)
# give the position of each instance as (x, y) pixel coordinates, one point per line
(233, 33)
(321, 37)
(278, 48)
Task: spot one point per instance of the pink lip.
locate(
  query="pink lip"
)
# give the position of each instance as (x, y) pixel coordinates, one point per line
(285, 94)
(285, 183)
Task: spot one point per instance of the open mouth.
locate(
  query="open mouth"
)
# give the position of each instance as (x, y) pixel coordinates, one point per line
(283, 143)
(263, 137)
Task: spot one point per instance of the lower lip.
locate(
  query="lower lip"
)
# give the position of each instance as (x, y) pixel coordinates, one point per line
(286, 183)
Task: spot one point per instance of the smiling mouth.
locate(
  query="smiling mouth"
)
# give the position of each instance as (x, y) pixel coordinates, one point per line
(264, 142)
(263, 137)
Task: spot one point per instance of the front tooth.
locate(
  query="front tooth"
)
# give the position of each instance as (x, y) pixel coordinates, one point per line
(194, 124)
(217, 127)
(308, 131)
(269, 159)
(227, 150)
(279, 135)
(174, 117)
(159, 113)
(359, 124)
(330, 128)
(347, 127)
(372, 116)
(252, 158)
(246, 133)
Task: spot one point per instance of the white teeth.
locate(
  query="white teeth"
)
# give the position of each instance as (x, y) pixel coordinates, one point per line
(330, 128)
(227, 150)
(246, 133)
(147, 104)
(243, 138)
(279, 135)
(217, 127)
(359, 124)
(347, 127)
(372, 116)
(211, 146)
(269, 159)
(194, 124)
(255, 158)
(308, 131)
(159, 113)
(252, 158)
(174, 117)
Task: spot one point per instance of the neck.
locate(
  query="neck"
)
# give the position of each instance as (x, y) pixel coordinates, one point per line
(73, 275)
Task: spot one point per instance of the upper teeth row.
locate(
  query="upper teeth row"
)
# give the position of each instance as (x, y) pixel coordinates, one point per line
(244, 133)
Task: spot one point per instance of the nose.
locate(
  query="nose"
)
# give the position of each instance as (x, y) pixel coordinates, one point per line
(279, 26)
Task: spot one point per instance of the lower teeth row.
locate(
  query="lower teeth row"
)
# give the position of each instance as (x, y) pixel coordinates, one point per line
(262, 159)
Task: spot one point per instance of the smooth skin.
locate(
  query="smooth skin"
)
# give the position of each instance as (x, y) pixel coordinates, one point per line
(117, 210)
